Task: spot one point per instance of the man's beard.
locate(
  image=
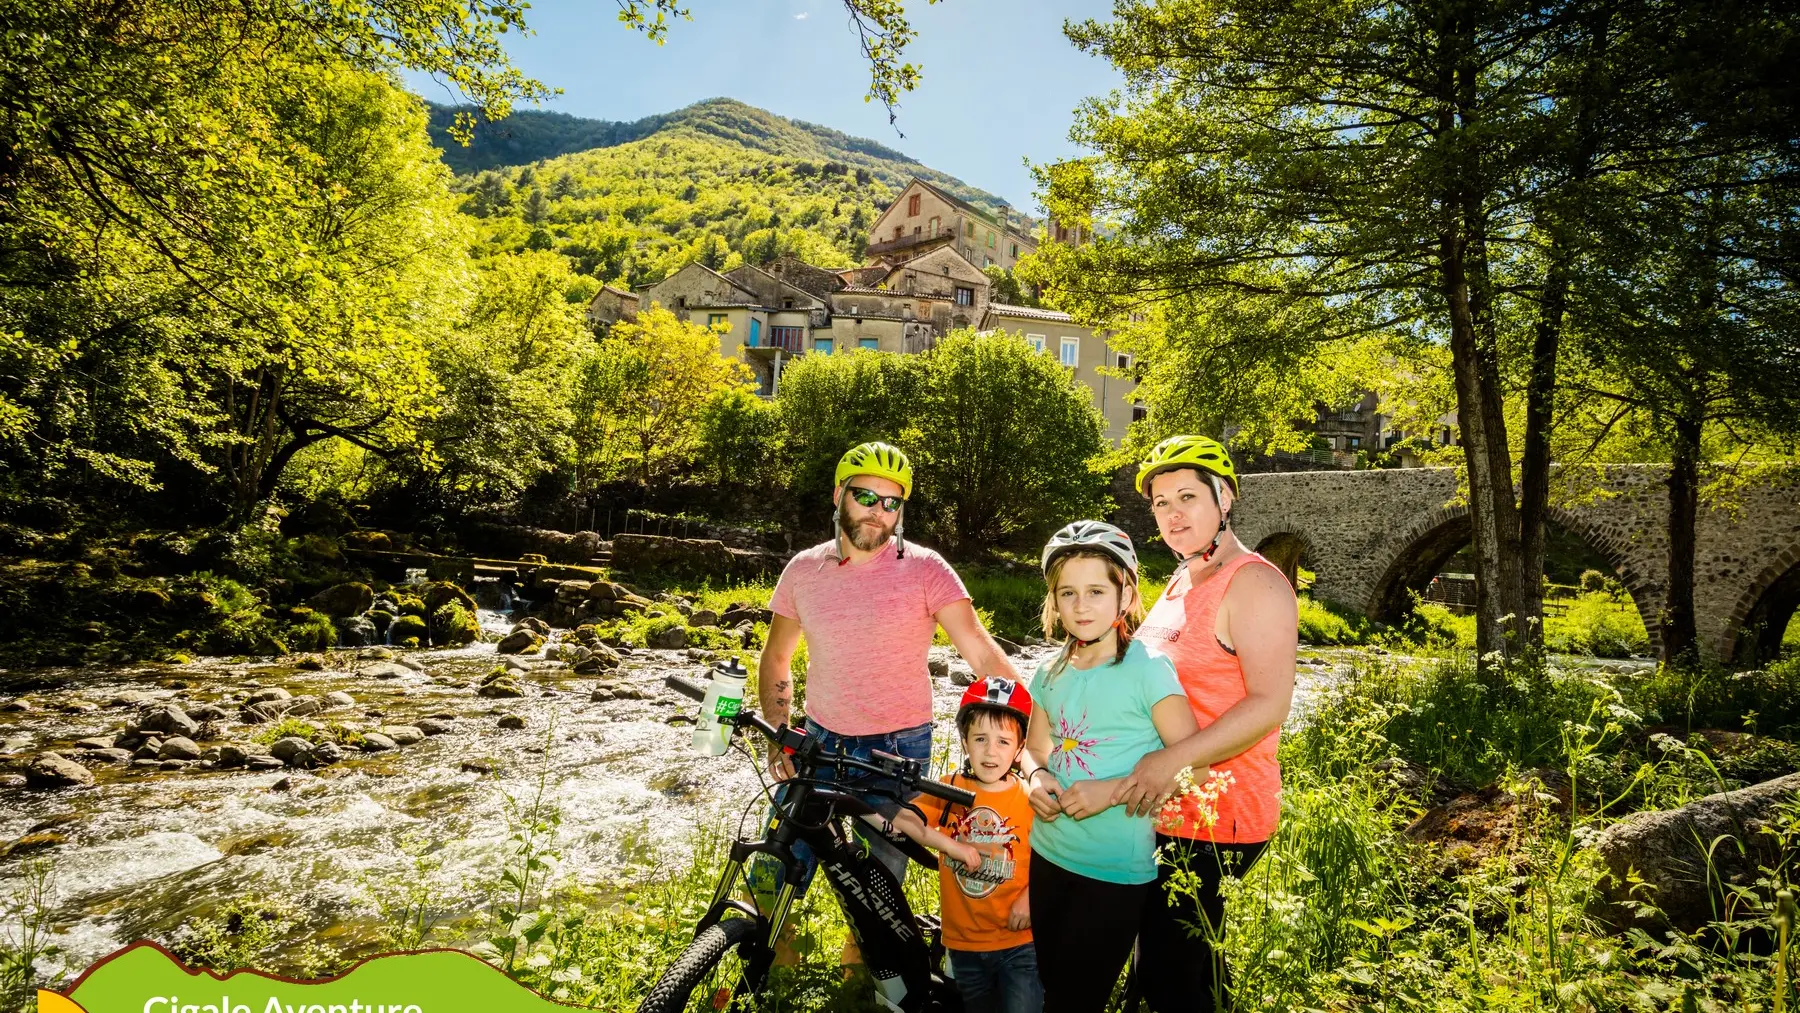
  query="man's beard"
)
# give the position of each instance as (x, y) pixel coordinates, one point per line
(867, 537)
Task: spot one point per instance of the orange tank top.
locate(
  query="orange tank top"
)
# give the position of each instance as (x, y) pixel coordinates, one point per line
(1181, 627)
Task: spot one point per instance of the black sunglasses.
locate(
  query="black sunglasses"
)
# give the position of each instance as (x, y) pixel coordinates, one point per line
(869, 497)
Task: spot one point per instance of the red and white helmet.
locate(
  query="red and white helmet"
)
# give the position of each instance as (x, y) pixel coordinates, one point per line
(995, 693)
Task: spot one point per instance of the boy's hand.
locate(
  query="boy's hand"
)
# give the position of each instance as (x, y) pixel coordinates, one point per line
(1046, 795)
(1085, 798)
(968, 854)
(1019, 918)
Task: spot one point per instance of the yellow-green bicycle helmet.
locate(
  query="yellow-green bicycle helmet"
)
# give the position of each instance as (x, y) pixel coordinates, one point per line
(879, 459)
(1203, 453)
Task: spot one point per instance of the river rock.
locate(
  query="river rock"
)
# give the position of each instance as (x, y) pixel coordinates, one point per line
(386, 670)
(736, 613)
(32, 842)
(17, 706)
(703, 617)
(342, 600)
(436, 596)
(148, 750)
(327, 753)
(600, 658)
(292, 750)
(77, 707)
(178, 747)
(672, 639)
(146, 763)
(95, 757)
(403, 735)
(435, 726)
(408, 631)
(502, 689)
(960, 673)
(479, 765)
(940, 668)
(96, 742)
(174, 764)
(1669, 849)
(169, 719)
(266, 695)
(375, 742)
(356, 631)
(130, 698)
(521, 641)
(49, 771)
(375, 654)
(207, 712)
(337, 698)
(511, 721)
(264, 763)
(234, 754)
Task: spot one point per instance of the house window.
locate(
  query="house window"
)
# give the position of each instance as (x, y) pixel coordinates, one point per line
(1355, 442)
(990, 239)
(1036, 341)
(873, 344)
(965, 296)
(906, 311)
(897, 231)
(822, 346)
(969, 229)
(1071, 351)
(935, 227)
(755, 332)
(1062, 234)
(1124, 361)
(852, 309)
(987, 262)
(787, 304)
(1015, 251)
(915, 230)
(716, 320)
(1139, 413)
(787, 338)
(912, 206)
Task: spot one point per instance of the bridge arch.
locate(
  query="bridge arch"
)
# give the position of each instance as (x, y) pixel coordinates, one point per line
(1420, 550)
(1287, 550)
(1761, 614)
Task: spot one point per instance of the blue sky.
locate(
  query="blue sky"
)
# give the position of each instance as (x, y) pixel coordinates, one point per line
(1000, 80)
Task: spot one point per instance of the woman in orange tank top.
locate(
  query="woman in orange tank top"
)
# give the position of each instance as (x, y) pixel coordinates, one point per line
(1228, 620)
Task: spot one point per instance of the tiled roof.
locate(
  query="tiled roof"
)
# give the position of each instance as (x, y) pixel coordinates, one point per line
(863, 290)
(621, 293)
(873, 316)
(1029, 313)
(727, 306)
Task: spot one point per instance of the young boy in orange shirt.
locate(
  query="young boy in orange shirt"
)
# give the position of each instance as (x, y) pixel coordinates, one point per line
(985, 908)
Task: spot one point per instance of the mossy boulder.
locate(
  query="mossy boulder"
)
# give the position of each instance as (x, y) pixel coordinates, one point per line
(307, 630)
(436, 595)
(453, 625)
(408, 631)
(411, 605)
(382, 618)
(521, 641)
(341, 600)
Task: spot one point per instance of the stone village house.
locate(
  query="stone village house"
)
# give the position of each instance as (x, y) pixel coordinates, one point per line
(922, 280)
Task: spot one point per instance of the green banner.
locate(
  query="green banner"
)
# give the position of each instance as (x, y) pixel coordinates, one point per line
(144, 978)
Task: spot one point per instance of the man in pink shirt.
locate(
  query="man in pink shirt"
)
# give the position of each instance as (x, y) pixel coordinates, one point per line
(869, 605)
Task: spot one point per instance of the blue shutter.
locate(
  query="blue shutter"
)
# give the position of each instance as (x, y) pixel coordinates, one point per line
(755, 332)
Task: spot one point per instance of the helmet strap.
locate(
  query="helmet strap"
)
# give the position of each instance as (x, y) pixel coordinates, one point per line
(900, 531)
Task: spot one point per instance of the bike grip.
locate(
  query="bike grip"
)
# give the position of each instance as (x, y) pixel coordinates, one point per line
(686, 687)
(949, 793)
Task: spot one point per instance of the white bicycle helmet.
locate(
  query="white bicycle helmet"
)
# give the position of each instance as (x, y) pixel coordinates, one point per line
(1096, 535)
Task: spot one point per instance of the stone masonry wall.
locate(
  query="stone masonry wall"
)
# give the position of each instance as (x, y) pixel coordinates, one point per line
(1369, 535)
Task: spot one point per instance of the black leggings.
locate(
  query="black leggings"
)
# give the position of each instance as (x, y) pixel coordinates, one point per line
(1083, 930)
(1176, 967)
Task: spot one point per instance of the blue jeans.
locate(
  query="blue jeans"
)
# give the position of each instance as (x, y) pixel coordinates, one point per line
(914, 743)
(1000, 981)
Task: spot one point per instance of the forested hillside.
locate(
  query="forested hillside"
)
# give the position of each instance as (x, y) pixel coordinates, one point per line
(718, 182)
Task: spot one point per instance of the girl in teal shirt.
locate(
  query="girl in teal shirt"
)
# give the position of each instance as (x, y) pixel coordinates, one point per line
(1099, 707)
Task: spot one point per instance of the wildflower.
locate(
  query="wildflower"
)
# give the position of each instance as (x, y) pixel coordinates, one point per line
(1205, 799)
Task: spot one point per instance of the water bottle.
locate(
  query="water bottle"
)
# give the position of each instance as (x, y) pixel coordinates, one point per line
(724, 698)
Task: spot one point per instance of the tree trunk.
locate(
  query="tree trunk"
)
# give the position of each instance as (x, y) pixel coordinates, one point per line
(1679, 638)
(1534, 463)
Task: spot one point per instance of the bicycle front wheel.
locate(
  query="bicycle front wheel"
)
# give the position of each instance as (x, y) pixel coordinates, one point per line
(701, 964)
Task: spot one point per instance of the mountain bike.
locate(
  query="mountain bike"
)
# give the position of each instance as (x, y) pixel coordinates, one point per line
(902, 950)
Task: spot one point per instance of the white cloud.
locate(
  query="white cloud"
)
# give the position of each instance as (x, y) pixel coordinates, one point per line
(801, 16)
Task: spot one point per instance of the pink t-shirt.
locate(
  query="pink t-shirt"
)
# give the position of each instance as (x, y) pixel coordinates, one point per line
(868, 629)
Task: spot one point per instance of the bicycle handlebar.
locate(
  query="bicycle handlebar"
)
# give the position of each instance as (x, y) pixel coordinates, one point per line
(908, 772)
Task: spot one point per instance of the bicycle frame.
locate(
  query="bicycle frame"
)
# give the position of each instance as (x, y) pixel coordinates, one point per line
(893, 940)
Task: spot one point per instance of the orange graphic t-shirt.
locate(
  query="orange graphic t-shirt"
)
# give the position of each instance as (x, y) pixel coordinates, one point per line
(977, 901)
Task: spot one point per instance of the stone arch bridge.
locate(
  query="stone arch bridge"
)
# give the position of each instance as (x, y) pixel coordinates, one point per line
(1373, 536)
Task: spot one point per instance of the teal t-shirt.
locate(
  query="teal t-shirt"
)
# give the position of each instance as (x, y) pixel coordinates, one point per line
(1100, 727)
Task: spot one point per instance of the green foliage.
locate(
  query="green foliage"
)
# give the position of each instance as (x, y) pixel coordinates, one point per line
(1323, 625)
(26, 929)
(252, 931)
(68, 613)
(1600, 624)
(307, 630)
(330, 731)
(641, 396)
(1765, 700)
(740, 438)
(1000, 438)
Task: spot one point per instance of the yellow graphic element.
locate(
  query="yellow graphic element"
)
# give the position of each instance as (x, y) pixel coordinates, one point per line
(1068, 745)
(53, 1002)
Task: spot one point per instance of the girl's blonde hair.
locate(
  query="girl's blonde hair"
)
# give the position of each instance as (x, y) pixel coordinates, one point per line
(1121, 579)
